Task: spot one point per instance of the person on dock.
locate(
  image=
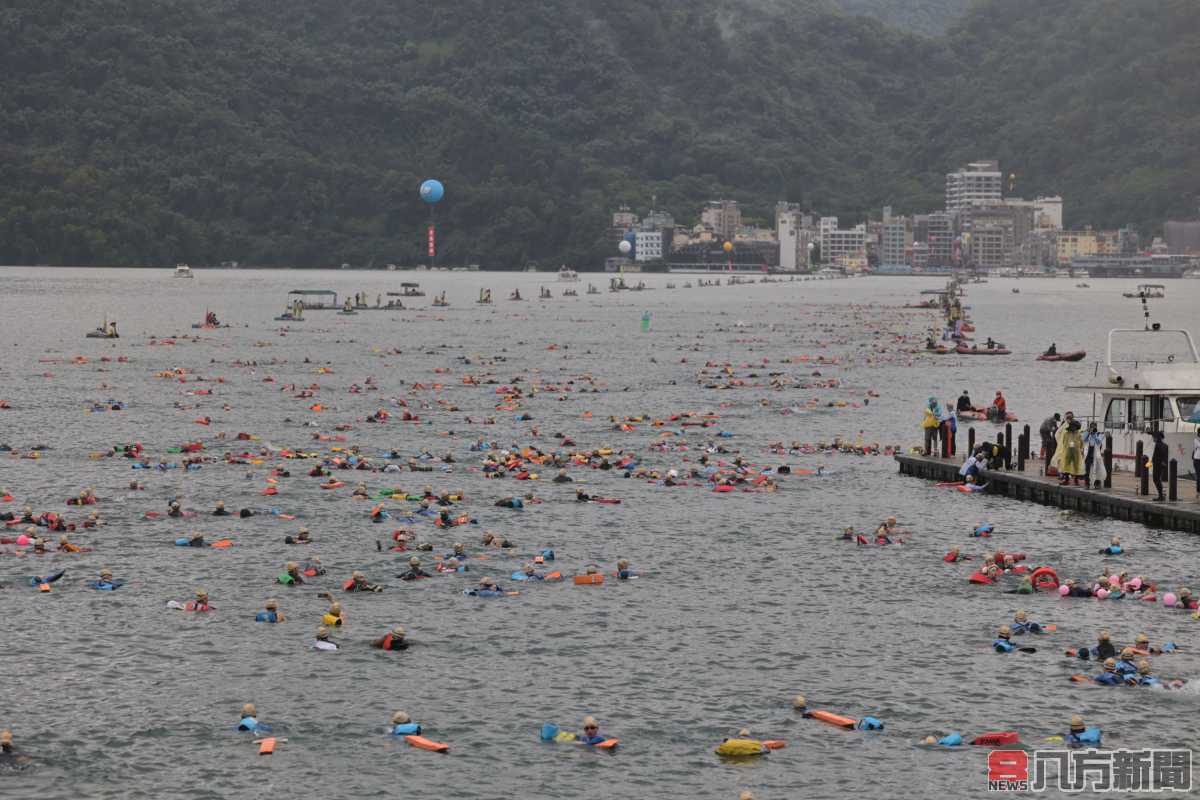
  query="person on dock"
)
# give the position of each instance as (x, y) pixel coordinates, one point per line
(1047, 430)
(1093, 463)
(1158, 465)
(1068, 456)
(930, 424)
(1196, 460)
(947, 428)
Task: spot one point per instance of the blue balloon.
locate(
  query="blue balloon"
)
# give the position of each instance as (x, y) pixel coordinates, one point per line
(432, 191)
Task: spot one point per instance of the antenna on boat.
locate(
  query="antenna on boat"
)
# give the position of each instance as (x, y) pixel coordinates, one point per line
(1146, 314)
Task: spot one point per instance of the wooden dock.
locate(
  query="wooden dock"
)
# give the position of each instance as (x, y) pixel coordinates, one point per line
(1121, 501)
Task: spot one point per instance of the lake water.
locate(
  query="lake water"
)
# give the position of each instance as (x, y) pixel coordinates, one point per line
(744, 599)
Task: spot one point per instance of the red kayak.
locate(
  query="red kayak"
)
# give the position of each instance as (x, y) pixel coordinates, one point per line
(1078, 355)
(963, 350)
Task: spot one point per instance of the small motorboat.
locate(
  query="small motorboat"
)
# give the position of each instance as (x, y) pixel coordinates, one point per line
(107, 330)
(982, 415)
(1078, 355)
(998, 350)
(1016, 290)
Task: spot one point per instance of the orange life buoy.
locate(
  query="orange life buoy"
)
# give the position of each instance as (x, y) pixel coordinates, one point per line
(1036, 577)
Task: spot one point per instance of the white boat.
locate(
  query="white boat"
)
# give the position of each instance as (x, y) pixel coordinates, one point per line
(183, 271)
(1151, 291)
(1150, 382)
(568, 275)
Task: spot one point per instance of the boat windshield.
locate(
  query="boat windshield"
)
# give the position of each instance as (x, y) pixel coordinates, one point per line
(1188, 407)
(1148, 347)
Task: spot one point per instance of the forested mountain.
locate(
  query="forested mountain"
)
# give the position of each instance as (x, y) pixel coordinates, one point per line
(271, 132)
(930, 17)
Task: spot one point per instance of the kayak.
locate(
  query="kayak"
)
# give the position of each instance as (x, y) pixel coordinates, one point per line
(1078, 355)
(963, 350)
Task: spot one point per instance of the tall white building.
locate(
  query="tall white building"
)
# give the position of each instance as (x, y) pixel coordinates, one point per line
(895, 242)
(977, 183)
(648, 245)
(795, 232)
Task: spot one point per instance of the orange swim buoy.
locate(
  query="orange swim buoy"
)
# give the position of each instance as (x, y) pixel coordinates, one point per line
(427, 744)
(832, 719)
(1036, 577)
(589, 580)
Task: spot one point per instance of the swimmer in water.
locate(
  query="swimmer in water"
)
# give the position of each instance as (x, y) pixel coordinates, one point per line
(323, 642)
(301, 538)
(291, 575)
(1022, 624)
(334, 616)
(414, 571)
(392, 640)
(358, 583)
(9, 754)
(591, 732)
(271, 613)
(623, 571)
(201, 602)
(220, 511)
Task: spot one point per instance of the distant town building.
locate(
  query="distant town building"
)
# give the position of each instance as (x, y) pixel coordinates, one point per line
(1140, 266)
(648, 245)
(977, 182)
(623, 221)
(1087, 242)
(895, 244)
(796, 234)
(1182, 236)
(939, 236)
(844, 247)
(723, 216)
(1047, 212)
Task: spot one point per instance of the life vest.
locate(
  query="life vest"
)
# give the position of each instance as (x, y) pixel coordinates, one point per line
(407, 729)
(951, 740)
(286, 579)
(1003, 646)
(1087, 736)
(266, 616)
(980, 578)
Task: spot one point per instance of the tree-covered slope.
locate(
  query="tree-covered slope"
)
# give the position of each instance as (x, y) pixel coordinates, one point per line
(270, 132)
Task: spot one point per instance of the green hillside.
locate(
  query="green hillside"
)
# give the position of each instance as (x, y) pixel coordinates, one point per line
(268, 132)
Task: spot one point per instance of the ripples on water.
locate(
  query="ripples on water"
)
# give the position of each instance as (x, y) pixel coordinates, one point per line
(746, 599)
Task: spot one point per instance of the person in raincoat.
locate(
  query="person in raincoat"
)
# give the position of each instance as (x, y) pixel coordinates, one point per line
(1093, 444)
(930, 425)
(1068, 456)
(949, 427)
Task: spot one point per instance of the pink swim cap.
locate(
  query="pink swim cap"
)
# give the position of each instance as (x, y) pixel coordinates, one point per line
(1064, 590)
(1102, 593)
(1169, 599)
(23, 539)
(1114, 580)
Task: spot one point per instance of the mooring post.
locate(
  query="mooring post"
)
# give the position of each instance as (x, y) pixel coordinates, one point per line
(1008, 450)
(1139, 454)
(1026, 445)
(971, 439)
(1173, 480)
(1022, 450)
(1108, 461)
